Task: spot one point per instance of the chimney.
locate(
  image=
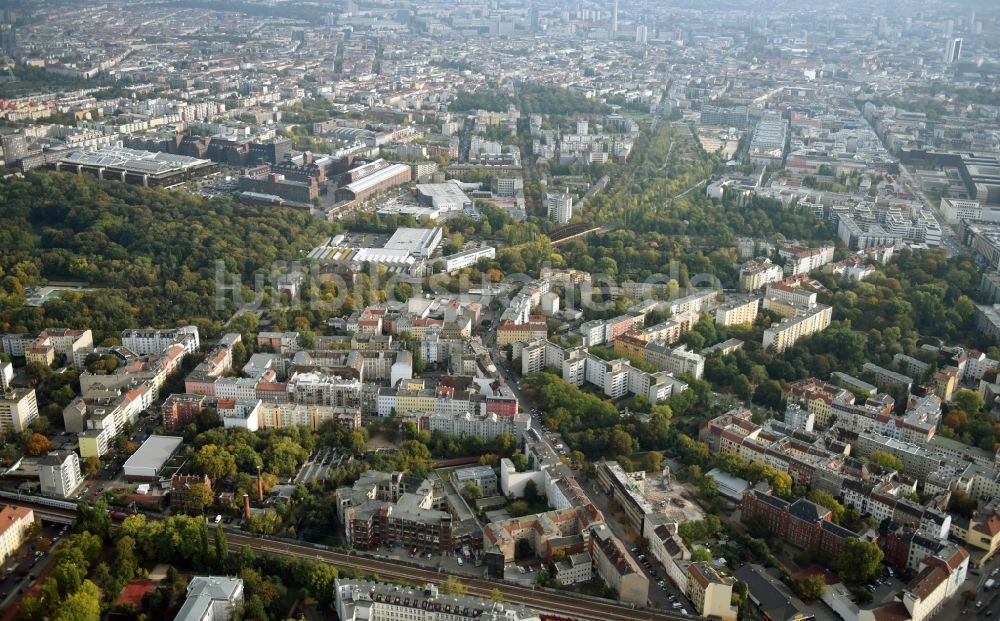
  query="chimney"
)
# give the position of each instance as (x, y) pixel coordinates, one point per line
(260, 487)
(246, 506)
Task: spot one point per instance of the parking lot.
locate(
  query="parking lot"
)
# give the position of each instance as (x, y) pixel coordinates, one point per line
(663, 593)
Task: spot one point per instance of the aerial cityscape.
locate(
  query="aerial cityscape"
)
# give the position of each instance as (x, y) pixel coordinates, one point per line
(499, 310)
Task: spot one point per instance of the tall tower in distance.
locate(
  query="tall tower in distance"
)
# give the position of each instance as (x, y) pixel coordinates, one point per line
(953, 51)
(8, 34)
(613, 30)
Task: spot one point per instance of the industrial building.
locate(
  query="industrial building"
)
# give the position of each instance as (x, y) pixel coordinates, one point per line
(152, 456)
(373, 178)
(468, 258)
(134, 166)
(443, 197)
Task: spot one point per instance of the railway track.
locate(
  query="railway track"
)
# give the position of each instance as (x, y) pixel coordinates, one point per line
(583, 609)
(543, 601)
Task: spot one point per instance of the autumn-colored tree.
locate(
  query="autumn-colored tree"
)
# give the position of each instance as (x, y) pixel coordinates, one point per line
(35, 444)
(91, 466)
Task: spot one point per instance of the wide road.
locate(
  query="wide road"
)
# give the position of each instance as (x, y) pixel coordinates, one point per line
(544, 601)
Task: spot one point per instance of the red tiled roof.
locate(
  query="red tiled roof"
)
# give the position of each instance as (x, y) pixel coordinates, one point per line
(9, 515)
(893, 611)
(927, 581)
(989, 527)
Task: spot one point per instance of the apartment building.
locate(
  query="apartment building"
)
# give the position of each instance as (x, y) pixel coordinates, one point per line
(569, 529)
(65, 342)
(738, 312)
(279, 342)
(626, 488)
(790, 330)
(6, 376)
(698, 302)
(97, 420)
(907, 548)
(559, 207)
(801, 260)
(179, 410)
(149, 342)
(710, 593)
(982, 532)
(666, 546)
(926, 593)
(216, 364)
(334, 388)
(534, 329)
(378, 510)
(817, 397)
(756, 275)
(787, 296)
(14, 525)
(617, 568)
(40, 352)
(887, 377)
(359, 600)
(918, 461)
(152, 369)
(675, 360)
(18, 409)
(575, 569)
(272, 415)
(59, 474)
(486, 426)
(615, 378)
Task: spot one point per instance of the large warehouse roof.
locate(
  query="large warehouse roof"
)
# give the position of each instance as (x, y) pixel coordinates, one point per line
(151, 456)
(416, 241)
(375, 178)
(445, 196)
(120, 158)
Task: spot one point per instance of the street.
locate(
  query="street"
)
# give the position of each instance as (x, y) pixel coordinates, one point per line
(27, 563)
(662, 597)
(659, 596)
(986, 602)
